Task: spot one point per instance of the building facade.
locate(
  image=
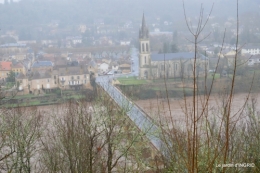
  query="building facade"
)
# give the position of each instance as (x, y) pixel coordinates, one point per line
(169, 65)
(64, 78)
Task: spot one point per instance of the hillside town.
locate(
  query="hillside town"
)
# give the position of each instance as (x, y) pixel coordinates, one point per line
(132, 86)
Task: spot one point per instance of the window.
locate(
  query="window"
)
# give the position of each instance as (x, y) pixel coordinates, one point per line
(85, 81)
(147, 47)
(162, 67)
(145, 59)
(72, 77)
(143, 47)
(85, 76)
(48, 80)
(78, 77)
(54, 77)
(176, 66)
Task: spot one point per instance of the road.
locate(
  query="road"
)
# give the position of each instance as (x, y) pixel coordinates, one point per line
(142, 121)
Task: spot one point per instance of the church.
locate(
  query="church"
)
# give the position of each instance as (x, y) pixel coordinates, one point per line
(168, 65)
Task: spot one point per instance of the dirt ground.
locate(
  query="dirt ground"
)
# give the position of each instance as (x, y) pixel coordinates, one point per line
(160, 110)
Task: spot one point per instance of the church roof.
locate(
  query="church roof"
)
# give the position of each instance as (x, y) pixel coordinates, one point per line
(174, 56)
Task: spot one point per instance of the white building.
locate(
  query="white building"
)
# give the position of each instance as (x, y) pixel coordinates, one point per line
(251, 49)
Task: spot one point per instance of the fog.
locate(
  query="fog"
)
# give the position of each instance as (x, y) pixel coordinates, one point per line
(32, 19)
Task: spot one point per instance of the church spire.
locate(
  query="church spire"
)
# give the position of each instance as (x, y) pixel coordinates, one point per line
(143, 23)
(144, 32)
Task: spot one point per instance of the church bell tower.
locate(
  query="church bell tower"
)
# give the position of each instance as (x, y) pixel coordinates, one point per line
(144, 52)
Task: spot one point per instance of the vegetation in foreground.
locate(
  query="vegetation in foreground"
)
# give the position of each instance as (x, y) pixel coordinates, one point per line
(79, 136)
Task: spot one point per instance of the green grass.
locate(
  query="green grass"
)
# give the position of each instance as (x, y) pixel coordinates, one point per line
(131, 81)
(51, 100)
(210, 76)
(167, 80)
(24, 96)
(170, 89)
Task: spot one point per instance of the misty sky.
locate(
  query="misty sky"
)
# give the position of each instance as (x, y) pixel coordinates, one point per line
(2, 1)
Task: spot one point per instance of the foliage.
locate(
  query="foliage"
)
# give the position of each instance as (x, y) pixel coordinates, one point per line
(11, 77)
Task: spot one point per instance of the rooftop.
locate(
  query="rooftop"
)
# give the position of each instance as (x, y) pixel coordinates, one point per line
(72, 70)
(6, 65)
(174, 56)
(38, 64)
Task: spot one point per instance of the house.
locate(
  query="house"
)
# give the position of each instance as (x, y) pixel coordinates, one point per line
(226, 52)
(73, 77)
(19, 56)
(242, 59)
(41, 80)
(74, 40)
(22, 82)
(254, 60)
(13, 48)
(36, 81)
(210, 50)
(251, 49)
(92, 67)
(18, 68)
(125, 43)
(46, 80)
(42, 65)
(114, 66)
(5, 69)
(125, 68)
(103, 68)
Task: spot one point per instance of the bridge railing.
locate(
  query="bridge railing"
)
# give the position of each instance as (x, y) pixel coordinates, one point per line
(143, 121)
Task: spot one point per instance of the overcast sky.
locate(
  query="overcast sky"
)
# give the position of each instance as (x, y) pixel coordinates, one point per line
(2, 1)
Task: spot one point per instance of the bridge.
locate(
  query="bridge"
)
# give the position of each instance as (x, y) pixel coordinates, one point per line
(145, 123)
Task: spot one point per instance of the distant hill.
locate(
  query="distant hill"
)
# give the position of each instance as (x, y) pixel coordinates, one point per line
(71, 12)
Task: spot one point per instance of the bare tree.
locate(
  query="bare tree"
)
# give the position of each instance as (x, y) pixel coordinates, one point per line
(208, 139)
(91, 137)
(22, 131)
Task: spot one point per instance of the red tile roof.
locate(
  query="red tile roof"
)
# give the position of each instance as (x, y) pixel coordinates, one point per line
(6, 66)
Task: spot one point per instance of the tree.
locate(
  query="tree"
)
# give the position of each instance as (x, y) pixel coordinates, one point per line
(210, 135)
(22, 130)
(90, 137)
(93, 82)
(11, 77)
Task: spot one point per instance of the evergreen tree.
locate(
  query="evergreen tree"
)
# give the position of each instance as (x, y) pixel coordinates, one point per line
(11, 77)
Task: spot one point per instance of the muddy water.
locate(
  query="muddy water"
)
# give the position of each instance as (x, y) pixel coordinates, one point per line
(177, 110)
